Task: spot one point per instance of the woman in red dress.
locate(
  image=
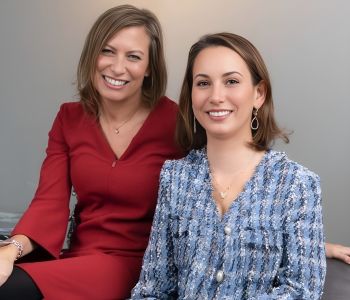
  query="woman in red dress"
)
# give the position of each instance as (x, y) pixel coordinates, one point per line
(109, 147)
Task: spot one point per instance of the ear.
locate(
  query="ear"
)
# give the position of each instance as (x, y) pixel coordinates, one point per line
(260, 96)
(147, 72)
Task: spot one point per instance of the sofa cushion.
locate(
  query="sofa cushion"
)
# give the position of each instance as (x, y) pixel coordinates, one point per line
(337, 285)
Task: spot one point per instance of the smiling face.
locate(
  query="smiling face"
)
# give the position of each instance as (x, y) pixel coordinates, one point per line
(223, 95)
(122, 65)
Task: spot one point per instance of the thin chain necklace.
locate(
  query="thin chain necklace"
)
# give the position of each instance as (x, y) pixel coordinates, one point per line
(223, 192)
(117, 129)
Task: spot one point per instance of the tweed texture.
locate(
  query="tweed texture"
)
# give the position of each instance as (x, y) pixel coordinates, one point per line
(268, 245)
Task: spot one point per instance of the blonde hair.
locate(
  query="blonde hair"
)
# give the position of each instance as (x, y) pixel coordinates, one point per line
(108, 24)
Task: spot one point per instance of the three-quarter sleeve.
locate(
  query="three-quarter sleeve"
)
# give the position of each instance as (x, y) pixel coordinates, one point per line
(158, 279)
(45, 220)
(302, 272)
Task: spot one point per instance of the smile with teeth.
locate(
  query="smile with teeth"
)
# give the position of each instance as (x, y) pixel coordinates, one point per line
(115, 82)
(220, 113)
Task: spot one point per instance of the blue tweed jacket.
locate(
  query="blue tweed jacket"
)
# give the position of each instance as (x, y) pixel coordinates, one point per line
(268, 245)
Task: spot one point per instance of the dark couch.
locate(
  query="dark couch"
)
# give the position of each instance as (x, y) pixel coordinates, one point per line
(337, 286)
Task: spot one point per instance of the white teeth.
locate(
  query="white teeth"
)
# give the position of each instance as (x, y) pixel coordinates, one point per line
(219, 113)
(115, 82)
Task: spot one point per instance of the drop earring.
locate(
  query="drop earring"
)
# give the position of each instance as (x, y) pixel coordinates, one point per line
(254, 124)
(194, 125)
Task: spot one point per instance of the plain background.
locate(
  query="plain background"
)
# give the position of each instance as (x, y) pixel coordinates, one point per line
(306, 46)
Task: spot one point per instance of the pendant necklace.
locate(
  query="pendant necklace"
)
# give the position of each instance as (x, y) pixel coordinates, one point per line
(117, 129)
(223, 192)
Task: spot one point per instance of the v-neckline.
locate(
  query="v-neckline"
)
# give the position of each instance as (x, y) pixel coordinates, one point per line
(222, 217)
(107, 145)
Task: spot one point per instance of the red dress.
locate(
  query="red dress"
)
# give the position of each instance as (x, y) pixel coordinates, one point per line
(116, 202)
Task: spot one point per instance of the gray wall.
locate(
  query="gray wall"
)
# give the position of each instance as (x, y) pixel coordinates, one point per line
(306, 45)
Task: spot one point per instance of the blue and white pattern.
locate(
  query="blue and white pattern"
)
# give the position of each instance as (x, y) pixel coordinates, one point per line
(268, 245)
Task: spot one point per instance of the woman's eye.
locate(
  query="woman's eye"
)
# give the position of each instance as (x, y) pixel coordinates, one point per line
(231, 82)
(106, 51)
(134, 57)
(202, 83)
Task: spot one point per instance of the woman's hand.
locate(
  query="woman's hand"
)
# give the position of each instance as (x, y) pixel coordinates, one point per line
(338, 251)
(8, 256)
(9, 253)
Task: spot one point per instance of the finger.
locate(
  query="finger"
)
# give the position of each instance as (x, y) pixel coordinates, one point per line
(346, 250)
(343, 257)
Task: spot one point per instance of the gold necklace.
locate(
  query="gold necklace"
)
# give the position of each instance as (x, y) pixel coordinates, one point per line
(117, 129)
(223, 192)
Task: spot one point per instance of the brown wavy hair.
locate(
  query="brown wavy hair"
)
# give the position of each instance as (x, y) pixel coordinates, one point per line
(268, 130)
(107, 25)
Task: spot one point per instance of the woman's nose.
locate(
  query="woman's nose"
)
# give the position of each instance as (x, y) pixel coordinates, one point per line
(118, 65)
(216, 94)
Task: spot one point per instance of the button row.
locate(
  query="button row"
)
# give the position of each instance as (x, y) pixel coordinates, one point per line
(220, 274)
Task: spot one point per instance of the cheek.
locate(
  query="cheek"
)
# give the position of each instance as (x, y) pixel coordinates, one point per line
(96, 79)
(242, 98)
(136, 72)
(197, 98)
(195, 102)
(139, 69)
(197, 106)
(101, 63)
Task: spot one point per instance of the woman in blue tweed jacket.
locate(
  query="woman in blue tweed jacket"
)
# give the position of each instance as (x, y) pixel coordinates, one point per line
(235, 219)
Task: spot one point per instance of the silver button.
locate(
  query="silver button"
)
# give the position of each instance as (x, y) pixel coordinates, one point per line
(227, 230)
(219, 276)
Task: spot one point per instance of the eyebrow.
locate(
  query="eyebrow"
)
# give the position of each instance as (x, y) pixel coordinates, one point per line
(223, 75)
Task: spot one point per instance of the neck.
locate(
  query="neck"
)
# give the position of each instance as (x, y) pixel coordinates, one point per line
(116, 112)
(229, 155)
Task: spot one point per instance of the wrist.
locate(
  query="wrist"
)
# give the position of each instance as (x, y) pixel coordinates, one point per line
(13, 244)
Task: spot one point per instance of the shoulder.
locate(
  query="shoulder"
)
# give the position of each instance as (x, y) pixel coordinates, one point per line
(71, 109)
(192, 164)
(299, 186)
(167, 105)
(193, 159)
(166, 111)
(73, 113)
(161, 122)
(70, 118)
(181, 178)
(279, 161)
(300, 191)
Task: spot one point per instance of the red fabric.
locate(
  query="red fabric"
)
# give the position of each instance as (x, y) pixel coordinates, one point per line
(116, 202)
